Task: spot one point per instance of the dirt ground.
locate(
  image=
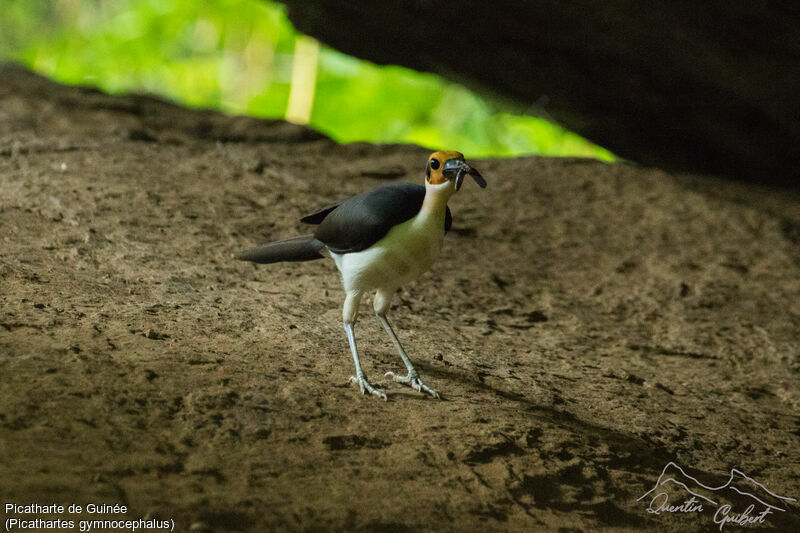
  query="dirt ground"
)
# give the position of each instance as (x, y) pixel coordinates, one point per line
(586, 324)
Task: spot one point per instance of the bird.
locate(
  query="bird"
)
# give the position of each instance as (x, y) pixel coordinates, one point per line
(380, 240)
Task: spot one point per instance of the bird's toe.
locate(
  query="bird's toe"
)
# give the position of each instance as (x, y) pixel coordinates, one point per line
(414, 382)
(395, 377)
(365, 387)
(354, 379)
(421, 387)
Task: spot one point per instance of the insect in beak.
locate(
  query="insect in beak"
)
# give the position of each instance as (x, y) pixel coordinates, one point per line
(456, 168)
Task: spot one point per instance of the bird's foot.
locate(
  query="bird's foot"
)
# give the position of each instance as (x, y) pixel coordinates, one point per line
(413, 381)
(365, 387)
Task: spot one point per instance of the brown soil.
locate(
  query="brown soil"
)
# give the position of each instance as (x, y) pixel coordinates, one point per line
(586, 324)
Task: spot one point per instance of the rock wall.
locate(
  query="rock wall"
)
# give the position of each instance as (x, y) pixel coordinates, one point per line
(709, 87)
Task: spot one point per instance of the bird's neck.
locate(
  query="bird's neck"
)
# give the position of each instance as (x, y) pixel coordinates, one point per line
(436, 197)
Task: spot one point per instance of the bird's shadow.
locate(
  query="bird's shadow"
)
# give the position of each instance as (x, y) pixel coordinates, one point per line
(636, 453)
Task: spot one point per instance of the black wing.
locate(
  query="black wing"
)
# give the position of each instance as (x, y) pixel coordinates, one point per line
(319, 216)
(358, 223)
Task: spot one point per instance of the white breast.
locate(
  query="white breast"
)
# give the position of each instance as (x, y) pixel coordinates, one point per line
(403, 254)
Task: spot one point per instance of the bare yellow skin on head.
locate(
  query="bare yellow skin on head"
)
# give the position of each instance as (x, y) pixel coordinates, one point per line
(436, 164)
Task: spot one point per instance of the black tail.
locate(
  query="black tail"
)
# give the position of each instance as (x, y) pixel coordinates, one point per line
(304, 248)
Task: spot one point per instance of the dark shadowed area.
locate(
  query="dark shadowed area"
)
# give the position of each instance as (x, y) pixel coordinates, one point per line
(586, 324)
(705, 87)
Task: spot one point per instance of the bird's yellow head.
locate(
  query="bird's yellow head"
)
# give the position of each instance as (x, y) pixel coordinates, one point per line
(447, 166)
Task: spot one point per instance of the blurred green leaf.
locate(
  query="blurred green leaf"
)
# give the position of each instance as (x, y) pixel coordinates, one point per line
(237, 56)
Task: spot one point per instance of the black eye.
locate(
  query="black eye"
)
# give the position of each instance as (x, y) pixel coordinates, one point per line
(434, 163)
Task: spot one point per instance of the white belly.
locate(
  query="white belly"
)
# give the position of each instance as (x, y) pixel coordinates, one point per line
(403, 254)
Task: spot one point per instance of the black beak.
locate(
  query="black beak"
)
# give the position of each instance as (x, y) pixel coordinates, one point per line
(455, 168)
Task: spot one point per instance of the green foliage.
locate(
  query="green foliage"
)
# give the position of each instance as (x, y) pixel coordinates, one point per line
(237, 56)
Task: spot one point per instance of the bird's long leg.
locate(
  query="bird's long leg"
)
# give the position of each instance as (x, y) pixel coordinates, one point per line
(360, 378)
(350, 314)
(412, 379)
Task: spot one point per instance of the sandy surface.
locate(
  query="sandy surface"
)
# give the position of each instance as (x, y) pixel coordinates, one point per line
(586, 324)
